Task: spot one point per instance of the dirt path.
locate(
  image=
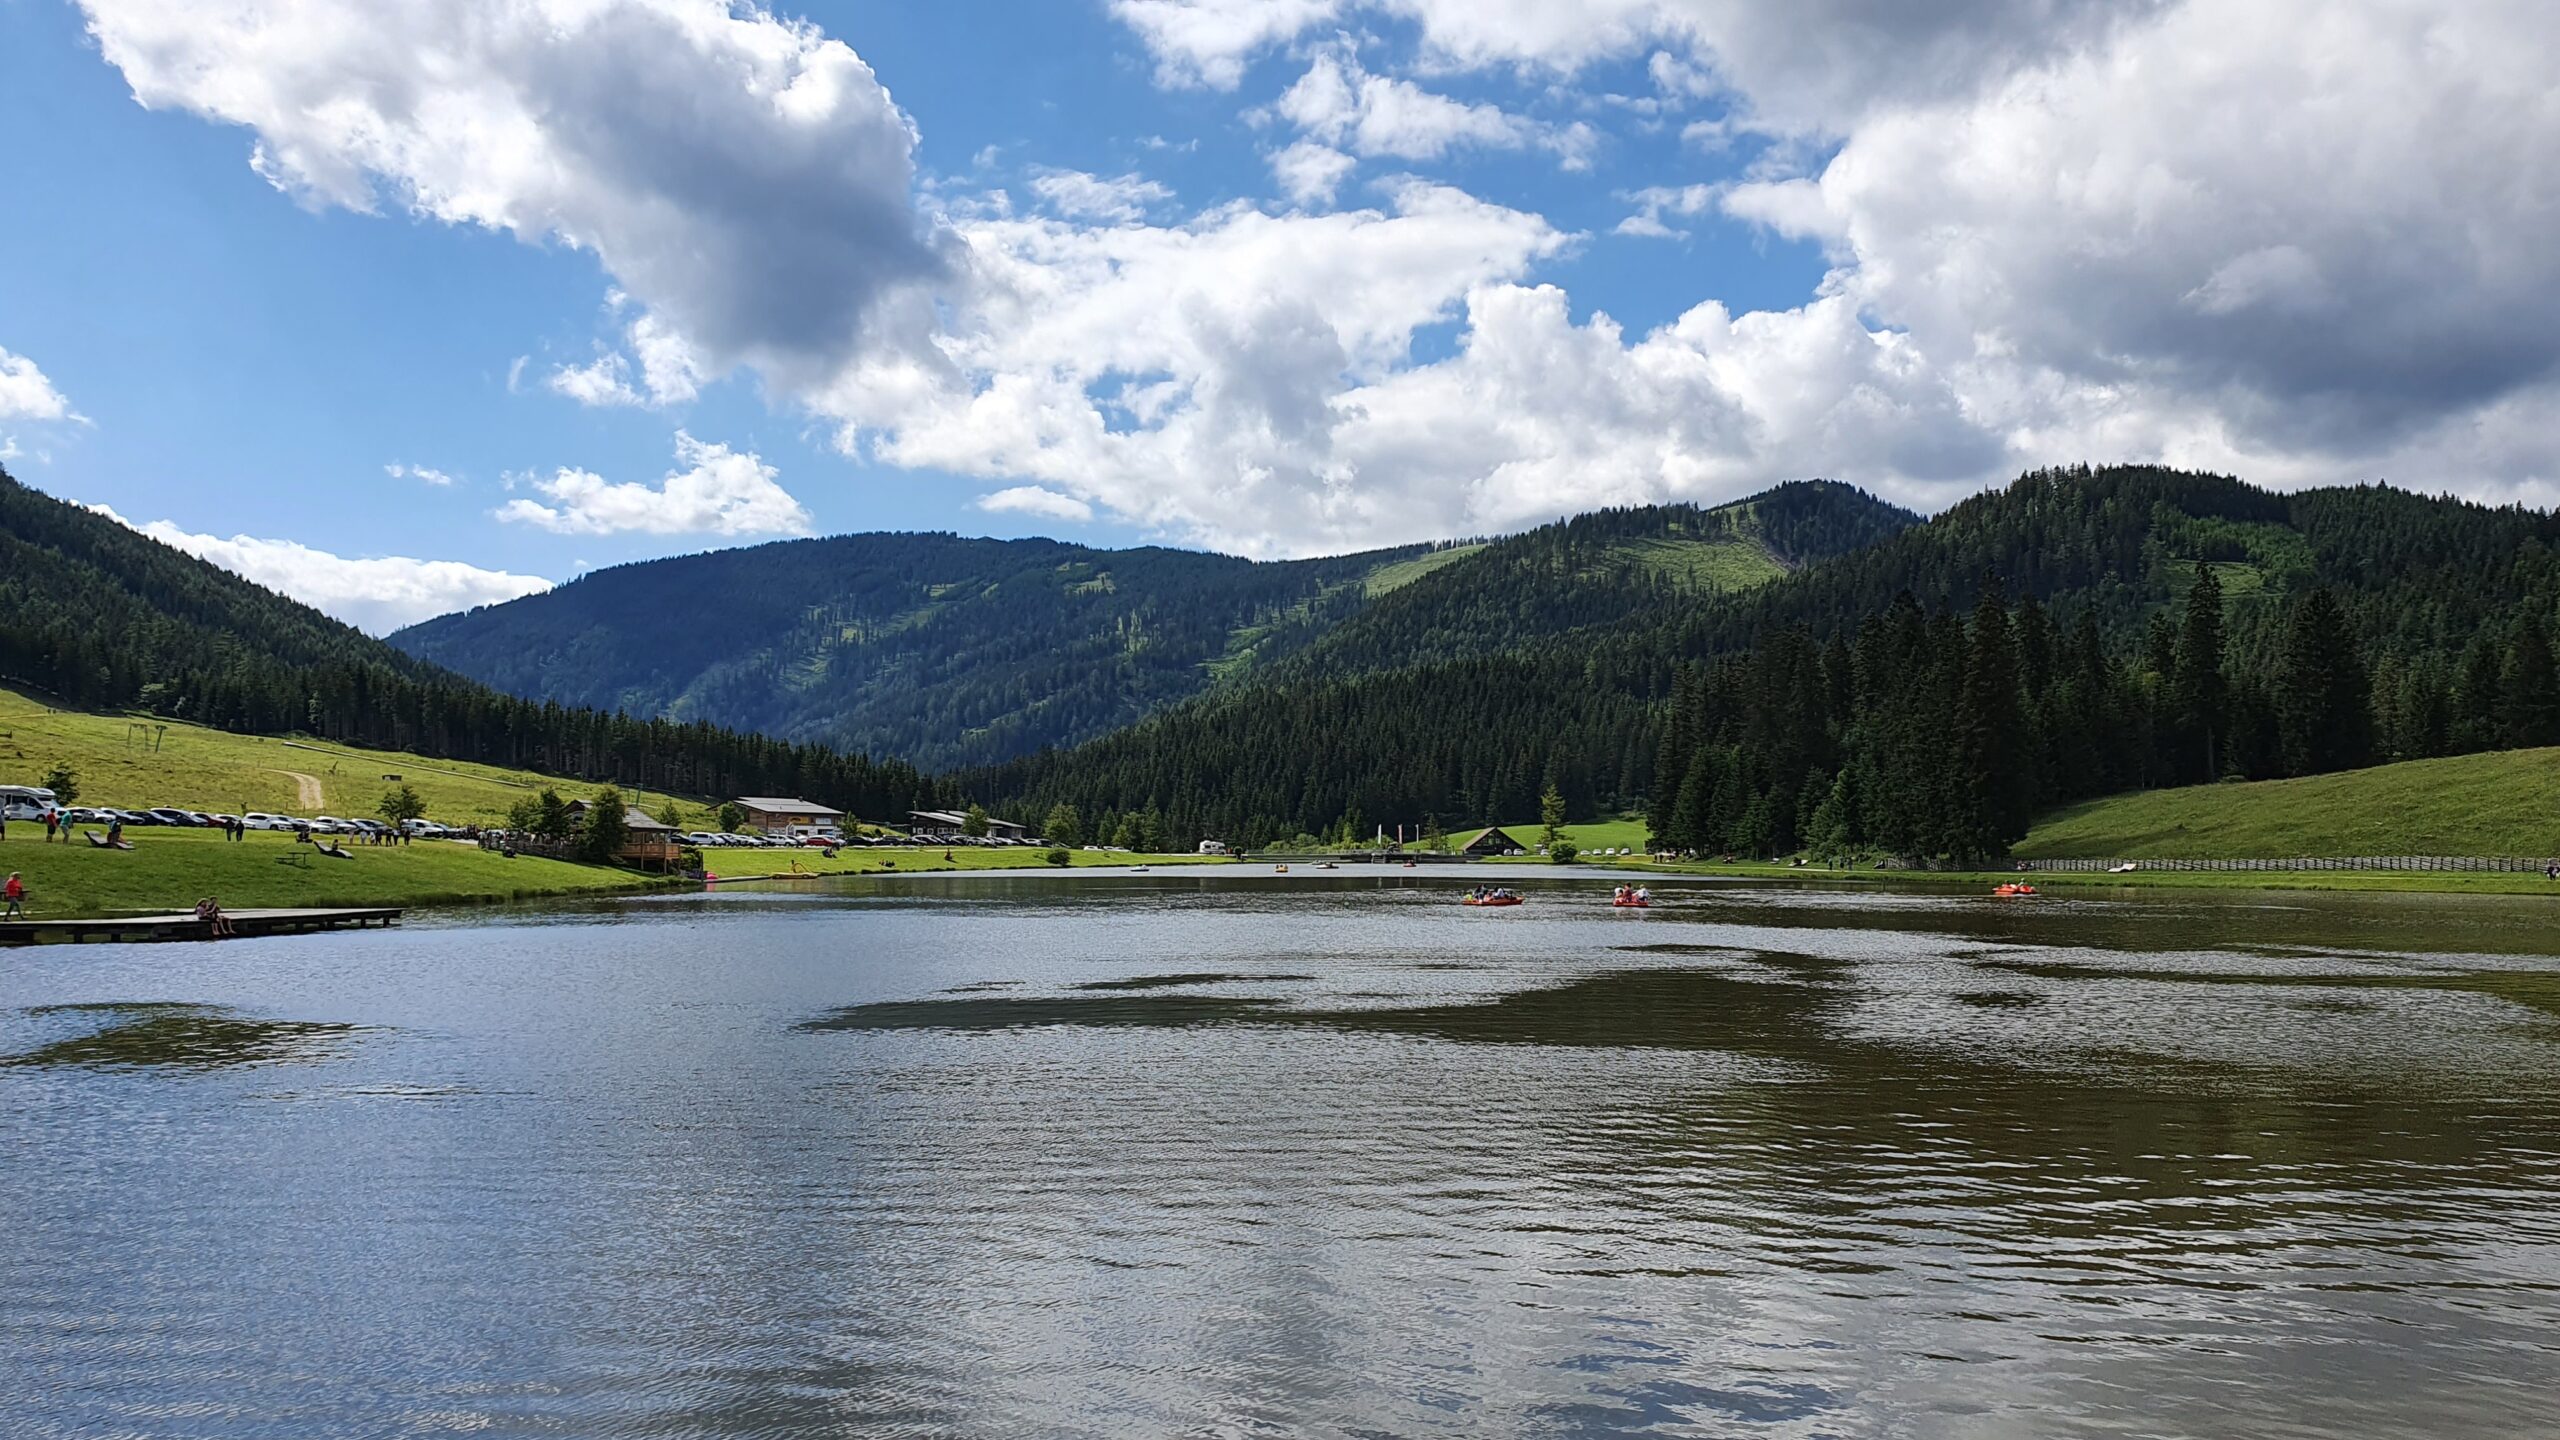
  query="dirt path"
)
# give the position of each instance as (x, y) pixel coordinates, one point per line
(307, 790)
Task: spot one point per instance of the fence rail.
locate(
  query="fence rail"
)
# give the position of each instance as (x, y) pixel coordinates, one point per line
(2479, 864)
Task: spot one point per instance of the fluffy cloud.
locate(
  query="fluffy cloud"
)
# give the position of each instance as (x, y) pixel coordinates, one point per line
(1655, 201)
(376, 594)
(2302, 239)
(1032, 500)
(719, 492)
(425, 474)
(1310, 173)
(1340, 104)
(746, 178)
(1124, 200)
(1813, 65)
(2091, 255)
(1188, 377)
(25, 393)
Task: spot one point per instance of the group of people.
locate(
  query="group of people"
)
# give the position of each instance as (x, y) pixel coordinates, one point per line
(1493, 892)
(58, 826)
(1633, 895)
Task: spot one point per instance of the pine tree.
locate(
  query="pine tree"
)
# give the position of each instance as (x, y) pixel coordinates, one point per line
(1996, 779)
(2323, 698)
(2198, 690)
(2528, 685)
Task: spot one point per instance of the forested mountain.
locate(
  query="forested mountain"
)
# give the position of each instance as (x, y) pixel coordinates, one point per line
(939, 649)
(952, 652)
(99, 615)
(2077, 632)
(1603, 570)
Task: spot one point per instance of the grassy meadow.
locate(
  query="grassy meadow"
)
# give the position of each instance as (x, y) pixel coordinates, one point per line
(171, 869)
(135, 763)
(2502, 803)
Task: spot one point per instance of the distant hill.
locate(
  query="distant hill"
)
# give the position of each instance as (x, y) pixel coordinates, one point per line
(96, 615)
(1461, 695)
(957, 652)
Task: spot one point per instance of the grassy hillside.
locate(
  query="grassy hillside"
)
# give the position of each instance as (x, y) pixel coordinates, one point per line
(137, 762)
(2502, 803)
(169, 870)
(1397, 574)
(1591, 835)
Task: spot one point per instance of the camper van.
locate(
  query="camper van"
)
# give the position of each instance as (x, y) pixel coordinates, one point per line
(25, 802)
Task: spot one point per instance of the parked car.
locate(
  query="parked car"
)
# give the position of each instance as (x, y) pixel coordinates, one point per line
(170, 816)
(84, 815)
(136, 817)
(225, 821)
(331, 825)
(261, 820)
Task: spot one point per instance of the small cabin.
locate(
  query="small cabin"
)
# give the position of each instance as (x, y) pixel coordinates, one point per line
(647, 842)
(1495, 841)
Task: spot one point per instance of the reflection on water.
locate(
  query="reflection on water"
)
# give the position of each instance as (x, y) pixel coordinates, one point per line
(175, 1035)
(1181, 1155)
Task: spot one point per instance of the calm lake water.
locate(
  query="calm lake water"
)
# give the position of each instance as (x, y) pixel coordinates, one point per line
(1184, 1155)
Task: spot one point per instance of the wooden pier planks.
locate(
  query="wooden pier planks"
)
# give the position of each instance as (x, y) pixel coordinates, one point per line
(185, 926)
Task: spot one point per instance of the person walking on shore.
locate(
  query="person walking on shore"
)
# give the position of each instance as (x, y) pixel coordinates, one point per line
(16, 891)
(52, 823)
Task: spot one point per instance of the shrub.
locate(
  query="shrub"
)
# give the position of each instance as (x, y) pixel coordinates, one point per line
(1058, 855)
(1564, 852)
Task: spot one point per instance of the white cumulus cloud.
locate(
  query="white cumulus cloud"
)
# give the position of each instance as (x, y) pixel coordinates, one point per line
(1340, 104)
(1033, 500)
(425, 474)
(26, 394)
(376, 594)
(1120, 200)
(718, 492)
(746, 178)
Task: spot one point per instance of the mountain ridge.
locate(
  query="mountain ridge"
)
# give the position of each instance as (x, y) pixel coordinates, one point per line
(950, 652)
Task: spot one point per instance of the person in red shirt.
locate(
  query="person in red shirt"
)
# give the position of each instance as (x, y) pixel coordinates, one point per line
(16, 890)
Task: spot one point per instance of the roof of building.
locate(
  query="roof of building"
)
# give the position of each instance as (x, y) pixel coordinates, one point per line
(952, 817)
(776, 805)
(1496, 838)
(642, 820)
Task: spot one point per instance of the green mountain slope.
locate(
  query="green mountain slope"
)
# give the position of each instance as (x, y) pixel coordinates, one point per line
(1600, 572)
(2501, 803)
(98, 616)
(1463, 693)
(956, 652)
(938, 648)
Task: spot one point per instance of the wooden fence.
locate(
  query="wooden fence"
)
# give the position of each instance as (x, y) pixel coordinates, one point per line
(2482, 864)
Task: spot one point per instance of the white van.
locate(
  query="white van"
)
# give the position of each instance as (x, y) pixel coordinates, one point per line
(26, 802)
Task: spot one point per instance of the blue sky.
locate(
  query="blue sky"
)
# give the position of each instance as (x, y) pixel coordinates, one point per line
(426, 309)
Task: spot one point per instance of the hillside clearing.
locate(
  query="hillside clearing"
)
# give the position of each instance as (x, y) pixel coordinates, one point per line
(136, 762)
(2500, 803)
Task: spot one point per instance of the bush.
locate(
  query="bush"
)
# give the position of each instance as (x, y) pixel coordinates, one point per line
(1564, 852)
(1058, 855)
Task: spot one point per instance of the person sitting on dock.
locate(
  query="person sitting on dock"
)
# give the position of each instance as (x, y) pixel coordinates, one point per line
(16, 890)
(217, 924)
(332, 849)
(115, 831)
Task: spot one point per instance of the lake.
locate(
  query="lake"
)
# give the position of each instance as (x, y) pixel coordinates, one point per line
(1229, 1154)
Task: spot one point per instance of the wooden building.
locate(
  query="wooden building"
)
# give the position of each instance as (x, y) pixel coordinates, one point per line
(775, 815)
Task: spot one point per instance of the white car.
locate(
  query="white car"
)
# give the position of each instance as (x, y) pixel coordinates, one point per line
(260, 820)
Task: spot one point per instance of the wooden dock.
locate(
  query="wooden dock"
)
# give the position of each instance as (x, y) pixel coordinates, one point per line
(139, 928)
